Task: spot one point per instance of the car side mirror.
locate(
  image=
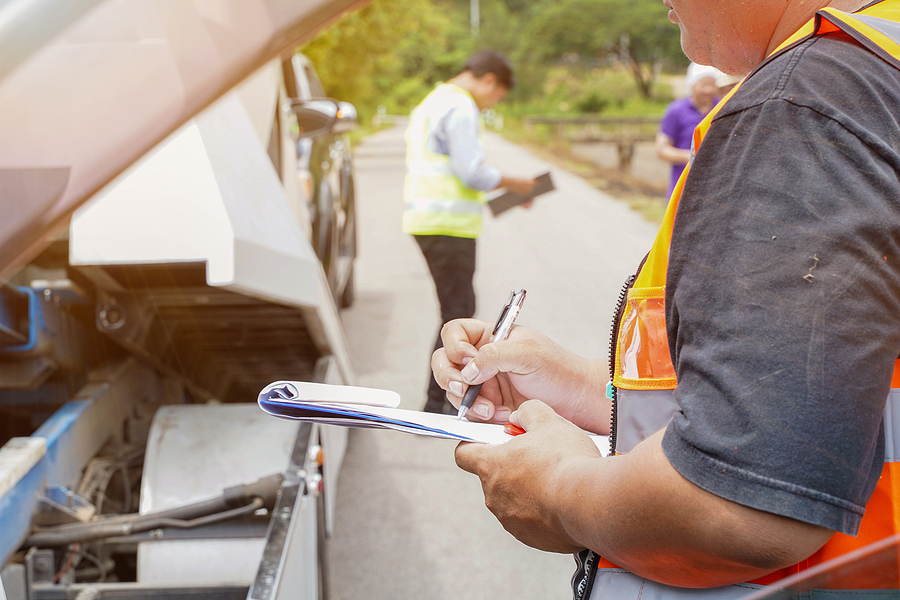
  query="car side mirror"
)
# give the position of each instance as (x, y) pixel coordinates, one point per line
(314, 117)
(347, 119)
(319, 116)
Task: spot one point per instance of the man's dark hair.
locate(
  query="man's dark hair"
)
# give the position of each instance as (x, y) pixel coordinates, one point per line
(488, 61)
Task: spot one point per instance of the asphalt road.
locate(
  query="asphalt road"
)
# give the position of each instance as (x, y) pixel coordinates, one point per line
(410, 524)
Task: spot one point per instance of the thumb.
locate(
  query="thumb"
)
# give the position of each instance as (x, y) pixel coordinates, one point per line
(533, 413)
(493, 358)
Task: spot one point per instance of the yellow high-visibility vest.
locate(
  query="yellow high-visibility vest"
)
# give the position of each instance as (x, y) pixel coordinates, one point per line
(437, 201)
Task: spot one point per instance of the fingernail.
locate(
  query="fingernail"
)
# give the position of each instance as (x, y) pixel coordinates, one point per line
(456, 388)
(481, 410)
(466, 360)
(502, 415)
(470, 372)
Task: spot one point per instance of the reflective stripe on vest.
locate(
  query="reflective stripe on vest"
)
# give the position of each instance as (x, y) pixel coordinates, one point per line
(437, 201)
(444, 206)
(644, 376)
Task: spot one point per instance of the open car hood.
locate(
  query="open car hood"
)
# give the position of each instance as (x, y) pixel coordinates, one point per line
(87, 87)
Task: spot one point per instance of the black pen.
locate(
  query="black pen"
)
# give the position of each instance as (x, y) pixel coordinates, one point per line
(501, 332)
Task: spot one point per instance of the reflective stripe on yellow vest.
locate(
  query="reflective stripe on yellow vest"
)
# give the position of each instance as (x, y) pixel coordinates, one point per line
(437, 201)
(644, 377)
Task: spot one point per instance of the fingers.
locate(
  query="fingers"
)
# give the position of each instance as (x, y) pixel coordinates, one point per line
(476, 458)
(510, 356)
(485, 410)
(523, 186)
(447, 376)
(536, 416)
(466, 343)
(461, 337)
(531, 414)
(467, 358)
(477, 372)
(467, 454)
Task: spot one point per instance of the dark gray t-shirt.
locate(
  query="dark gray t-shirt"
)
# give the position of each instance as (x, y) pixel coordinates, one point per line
(783, 289)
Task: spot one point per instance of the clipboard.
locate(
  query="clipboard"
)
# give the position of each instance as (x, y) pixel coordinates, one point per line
(505, 199)
(371, 408)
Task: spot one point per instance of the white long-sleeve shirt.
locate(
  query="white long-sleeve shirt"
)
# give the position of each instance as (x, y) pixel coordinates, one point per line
(456, 132)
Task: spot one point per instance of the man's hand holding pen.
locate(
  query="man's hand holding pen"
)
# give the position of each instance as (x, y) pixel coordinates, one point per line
(500, 332)
(526, 365)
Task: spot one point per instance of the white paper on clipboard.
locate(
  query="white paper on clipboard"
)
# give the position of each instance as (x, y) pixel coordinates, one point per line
(334, 394)
(359, 407)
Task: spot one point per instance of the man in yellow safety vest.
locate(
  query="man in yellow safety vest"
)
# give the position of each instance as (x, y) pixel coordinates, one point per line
(445, 183)
(753, 402)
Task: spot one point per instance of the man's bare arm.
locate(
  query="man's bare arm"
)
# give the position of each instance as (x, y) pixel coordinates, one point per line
(667, 151)
(634, 509)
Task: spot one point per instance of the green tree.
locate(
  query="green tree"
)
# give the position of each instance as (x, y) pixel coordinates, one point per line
(389, 53)
(392, 52)
(634, 32)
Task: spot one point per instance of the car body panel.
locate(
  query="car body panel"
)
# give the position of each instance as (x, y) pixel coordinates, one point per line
(114, 82)
(325, 163)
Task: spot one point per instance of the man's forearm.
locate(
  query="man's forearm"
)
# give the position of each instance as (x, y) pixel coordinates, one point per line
(666, 150)
(594, 412)
(639, 512)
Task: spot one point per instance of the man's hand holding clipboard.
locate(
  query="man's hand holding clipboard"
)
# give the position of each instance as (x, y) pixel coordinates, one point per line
(506, 199)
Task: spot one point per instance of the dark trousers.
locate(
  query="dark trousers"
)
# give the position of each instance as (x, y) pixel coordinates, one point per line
(451, 261)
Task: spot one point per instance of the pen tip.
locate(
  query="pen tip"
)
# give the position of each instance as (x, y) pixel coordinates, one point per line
(462, 412)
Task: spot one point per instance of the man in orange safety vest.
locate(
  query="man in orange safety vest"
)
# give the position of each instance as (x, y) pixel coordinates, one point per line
(750, 394)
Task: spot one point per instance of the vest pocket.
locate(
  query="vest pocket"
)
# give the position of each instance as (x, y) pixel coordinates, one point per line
(642, 356)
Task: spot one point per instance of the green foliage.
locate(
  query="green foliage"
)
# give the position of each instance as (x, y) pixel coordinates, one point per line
(635, 33)
(389, 53)
(568, 91)
(583, 55)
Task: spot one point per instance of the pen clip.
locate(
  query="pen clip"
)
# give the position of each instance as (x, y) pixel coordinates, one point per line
(503, 312)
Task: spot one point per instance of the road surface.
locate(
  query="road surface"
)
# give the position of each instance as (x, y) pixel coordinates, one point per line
(410, 524)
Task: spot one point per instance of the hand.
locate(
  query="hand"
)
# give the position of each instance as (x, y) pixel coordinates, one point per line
(551, 489)
(521, 478)
(666, 150)
(525, 366)
(522, 187)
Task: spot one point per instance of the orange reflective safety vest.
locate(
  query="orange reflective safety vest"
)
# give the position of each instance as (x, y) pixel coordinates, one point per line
(643, 375)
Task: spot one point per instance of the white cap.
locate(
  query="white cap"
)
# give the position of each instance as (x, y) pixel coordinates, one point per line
(697, 72)
(726, 79)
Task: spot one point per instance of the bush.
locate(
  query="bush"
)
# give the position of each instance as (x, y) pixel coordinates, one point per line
(594, 102)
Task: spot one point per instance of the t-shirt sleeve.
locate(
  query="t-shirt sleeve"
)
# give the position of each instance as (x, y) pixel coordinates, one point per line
(669, 124)
(783, 302)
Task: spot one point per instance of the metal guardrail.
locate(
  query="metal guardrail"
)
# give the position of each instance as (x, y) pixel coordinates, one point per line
(624, 132)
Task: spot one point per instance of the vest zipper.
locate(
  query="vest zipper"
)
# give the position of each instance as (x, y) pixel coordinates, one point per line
(586, 560)
(585, 571)
(611, 391)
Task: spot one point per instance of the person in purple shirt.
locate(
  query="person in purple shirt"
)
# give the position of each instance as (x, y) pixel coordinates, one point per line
(673, 140)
